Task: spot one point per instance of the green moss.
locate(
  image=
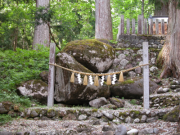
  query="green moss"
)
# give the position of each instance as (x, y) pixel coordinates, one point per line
(50, 110)
(135, 112)
(127, 82)
(172, 116)
(116, 99)
(94, 110)
(123, 114)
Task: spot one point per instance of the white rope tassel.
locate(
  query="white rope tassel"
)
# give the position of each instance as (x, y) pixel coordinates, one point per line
(79, 78)
(114, 79)
(102, 80)
(90, 80)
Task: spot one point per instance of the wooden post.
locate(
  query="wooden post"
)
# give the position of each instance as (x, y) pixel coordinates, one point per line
(133, 26)
(122, 25)
(140, 24)
(162, 26)
(145, 26)
(128, 26)
(157, 26)
(151, 27)
(51, 76)
(145, 76)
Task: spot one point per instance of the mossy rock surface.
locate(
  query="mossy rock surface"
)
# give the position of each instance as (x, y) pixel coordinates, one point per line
(93, 54)
(131, 89)
(172, 116)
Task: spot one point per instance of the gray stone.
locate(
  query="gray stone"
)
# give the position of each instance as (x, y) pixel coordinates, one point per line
(124, 62)
(44, 76)
(121, 56)
(51, 113)
(128, 119)
(153, 61)
(96, 114)
(117, 102)
(143, 119)
(34, 113)
(162, 90)
(152, 119)
(138, 70)
(156, 130)
(82, 117)
(109, 106)
(132, 90)
(42, 125)
(132, 74)
(74, 93)
(108, 115)
(5, 107)
(83, 128)
(120, 130)
(136, 120)
(35, 89)
(153, 69)
(98, 102)
(132, 132)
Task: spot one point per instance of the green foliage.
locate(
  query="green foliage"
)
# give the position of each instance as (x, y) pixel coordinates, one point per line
(4, 118)
(133, 101)
(17, 67)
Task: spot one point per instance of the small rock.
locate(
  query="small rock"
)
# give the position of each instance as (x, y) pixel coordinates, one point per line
(82, 117)
(120, 130)
(162, 90)
(109, 106)
(138, 70)
(42, 125)
(117, 102)
(156, 130)
(108, 115)
(136, 120)
(152, 119)
(143, 118)
(98, 102)
(132, 132)
(177, 90)
(132, 74)
(128, 119)
(70, 116)
(153, 69)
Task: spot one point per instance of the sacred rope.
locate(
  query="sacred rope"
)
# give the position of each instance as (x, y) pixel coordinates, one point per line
(96, 81)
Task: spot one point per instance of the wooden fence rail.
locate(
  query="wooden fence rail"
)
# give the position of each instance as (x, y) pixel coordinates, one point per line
(143, 26)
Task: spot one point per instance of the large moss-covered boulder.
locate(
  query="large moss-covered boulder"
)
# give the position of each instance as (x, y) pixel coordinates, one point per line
(131, 89)
(35, 89)
(91, 53)
(74, 93)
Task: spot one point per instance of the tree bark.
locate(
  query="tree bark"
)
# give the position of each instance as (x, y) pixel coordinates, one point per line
(103, 26)
(41, 32)
(170, 54)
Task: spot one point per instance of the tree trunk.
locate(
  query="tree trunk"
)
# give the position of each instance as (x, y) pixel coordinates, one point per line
(103, 26)
(41, 32)
(170, 54)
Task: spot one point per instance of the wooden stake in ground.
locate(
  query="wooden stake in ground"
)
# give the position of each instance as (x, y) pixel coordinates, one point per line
(145, 76)
(51, 76)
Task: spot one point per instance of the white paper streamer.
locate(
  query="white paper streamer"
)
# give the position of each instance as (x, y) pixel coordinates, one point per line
(79, 79)
(114, 79)
(90, 80)
(102, 80)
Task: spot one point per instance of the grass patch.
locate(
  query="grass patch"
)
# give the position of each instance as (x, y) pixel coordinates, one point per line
(5, 118)
(20, 66)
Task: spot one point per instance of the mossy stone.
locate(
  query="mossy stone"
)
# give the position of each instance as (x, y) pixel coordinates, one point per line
(172, 116)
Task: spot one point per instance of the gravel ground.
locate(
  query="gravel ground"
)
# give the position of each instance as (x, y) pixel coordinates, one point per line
(45, 126)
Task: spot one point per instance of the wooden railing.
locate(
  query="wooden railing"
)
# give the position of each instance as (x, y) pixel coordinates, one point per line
(143, 27)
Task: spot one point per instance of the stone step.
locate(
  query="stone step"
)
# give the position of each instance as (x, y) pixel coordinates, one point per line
(169, 99)
(118, 116)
